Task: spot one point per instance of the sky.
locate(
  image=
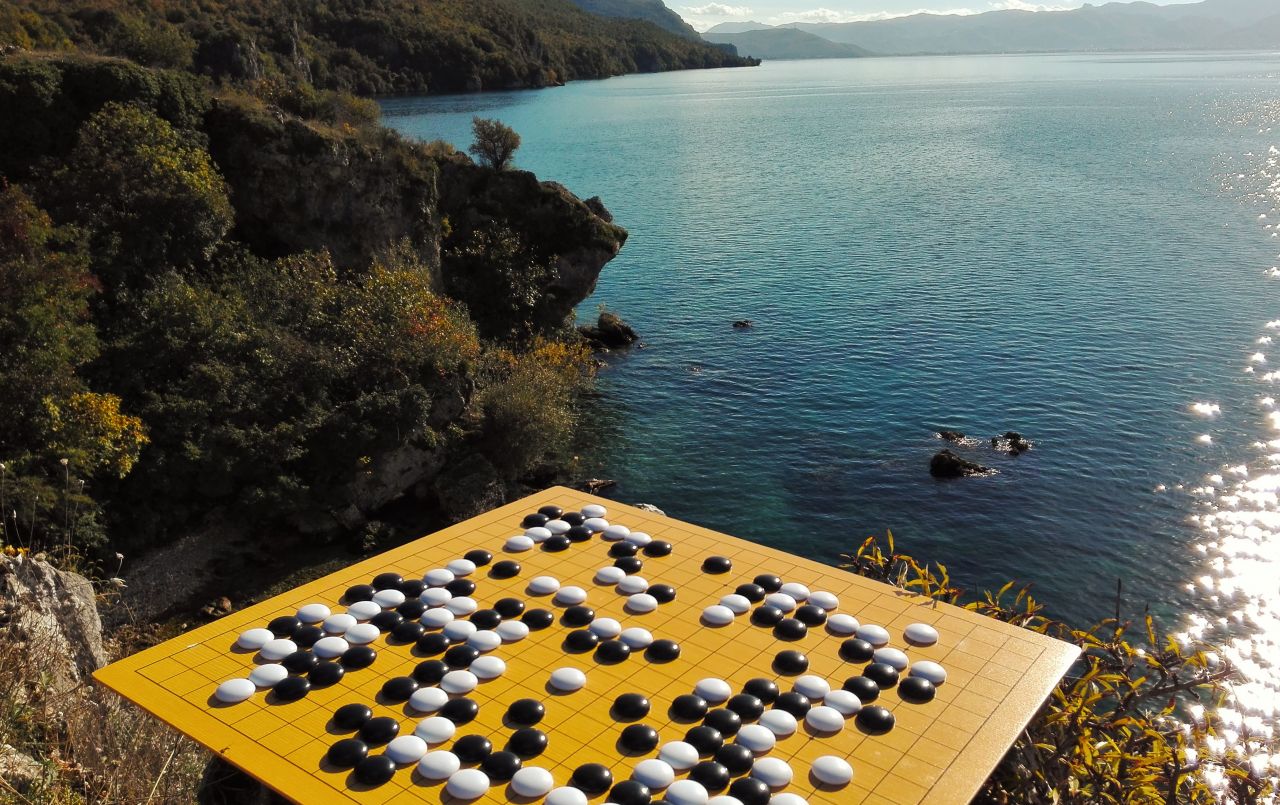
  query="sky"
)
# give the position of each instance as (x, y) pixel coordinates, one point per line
(774, 12)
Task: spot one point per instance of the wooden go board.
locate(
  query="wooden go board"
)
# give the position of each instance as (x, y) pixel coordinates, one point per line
(937, 751)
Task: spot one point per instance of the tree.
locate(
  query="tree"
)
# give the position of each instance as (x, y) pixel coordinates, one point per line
(495, 144)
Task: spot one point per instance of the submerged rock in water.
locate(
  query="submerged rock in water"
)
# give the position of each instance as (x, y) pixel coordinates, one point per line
(951, 436)
(947, 464)
(610, 332)
(743, 324)
(1011, 442)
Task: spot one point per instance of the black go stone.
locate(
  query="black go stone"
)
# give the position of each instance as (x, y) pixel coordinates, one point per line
(767, 616)
(750, 791)
(811, 615)
(639, 739)
(629, 564)
(736, 758)
(412, 588)
(486, 618)
(509, 607)
(621, 550)
(581, 641)
(506, 569)
(460, 657)
(527, 742)
(630, 707)
(752, 592)
(501, 766)
(300, 662)
(574, 518)
(430, 672)
(351, 717)
(883, 674)
(591, 779)
(345, 754)
(665, 593)
(526, 712)
(460, 587)
(408, 632)
(412, 609)
(399, 689)
(612, 652)
(360, 592)
(284, 626)
(326, 674)
(725, 721)
(291, 688)
(790, 629)
(433, 643)
(707, 740)
(790, 663)
(478, 557)
(658, 548)
(711, 775)
(662, 651)
(578, 533)
(875, 720)
(688, 708)
(379, 731)
(767, 582)
(855, 650)
(472, 748)
(863, 687)
(766, 690)
(717, 564)
(307, 636)
(375, 770)
(534, 520)
(538, 619)
(460, 711)
(556, 544)
(358, 657)
(387, 620)
(578, 616)
(797, 704)
(630, 792)
(551, 512)
(917, 690)
(748, 707)
(387, 581)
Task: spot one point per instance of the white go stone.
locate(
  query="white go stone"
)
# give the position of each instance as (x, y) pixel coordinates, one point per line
(467, 784)
(486, 668)
(844, 702)
(930, 670)
(361, 633)
(326, 648)
(605, 628)
(614, 533)
(678, 755)
(484, 640)
(337, 624)
(594, 510)
(254, 639)
(564, 795)
(428, 700)
(435, 730)
(779, 722)
(713, 690)
(313, 613)
(277, 649)
(875, 635)
(388, 599)
(265, 676)
(717, 615)
(639, 538)
(435, 596)
(234, 690)
(686, 792)
(920, 634)
(568, 679)
(458, 682)
(458, 631)
(636, 638)
(642, 603)
(438, 577)
(782, 601)
(814, 687)
(842, 625)
(511, 631)
(828, 601)
(557, 526)
(363, 610)
(596, 524)
(461, 567)
(461, 605)
(438, 765)
(787, 799)
(756, 738)
(436, 618)
(772, 771)
(796, 590)
(631, 585)
(518, 544)
(532, 781)
(832, 770)
(724, 799)
(824, 719)
(571, 596)
(538, 534)
(406, 749)
(544, 585)
(653, 773)
(737, 604)
(891, 656)
(610, 575)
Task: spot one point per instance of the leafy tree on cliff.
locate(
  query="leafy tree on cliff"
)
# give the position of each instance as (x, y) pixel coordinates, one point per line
(495, 144)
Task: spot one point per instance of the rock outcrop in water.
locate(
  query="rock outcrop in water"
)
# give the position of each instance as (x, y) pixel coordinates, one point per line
(951, 436)
(610, 332)
(1011, 442)
(946, 464)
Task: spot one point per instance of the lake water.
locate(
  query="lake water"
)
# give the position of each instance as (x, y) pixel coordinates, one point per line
(1068, 246)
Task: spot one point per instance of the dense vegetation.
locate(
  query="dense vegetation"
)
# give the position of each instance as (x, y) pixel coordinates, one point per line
(391, 46)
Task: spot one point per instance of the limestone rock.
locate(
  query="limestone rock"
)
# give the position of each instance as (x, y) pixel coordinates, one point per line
(947, 464)
(17, 770)
(649, 507)
(54, 614)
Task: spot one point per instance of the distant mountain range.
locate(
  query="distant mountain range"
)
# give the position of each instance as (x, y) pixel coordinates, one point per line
(786, 43)
(1209, 25)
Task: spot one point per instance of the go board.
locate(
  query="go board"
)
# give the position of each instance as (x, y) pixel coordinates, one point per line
(600, 654)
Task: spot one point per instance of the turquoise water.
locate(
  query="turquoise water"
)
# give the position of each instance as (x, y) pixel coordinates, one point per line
(1067, 246)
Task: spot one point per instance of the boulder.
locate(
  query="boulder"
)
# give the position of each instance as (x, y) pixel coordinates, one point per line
(610, 332)
(52, 616)
(951, 436)
(947, 464)
(19, 771)
(1011, 442)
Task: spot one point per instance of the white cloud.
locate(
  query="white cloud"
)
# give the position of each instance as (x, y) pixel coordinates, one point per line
(718, 10)
(820, 15)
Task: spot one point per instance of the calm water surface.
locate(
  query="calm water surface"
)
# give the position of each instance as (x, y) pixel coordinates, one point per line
(1067, 246)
